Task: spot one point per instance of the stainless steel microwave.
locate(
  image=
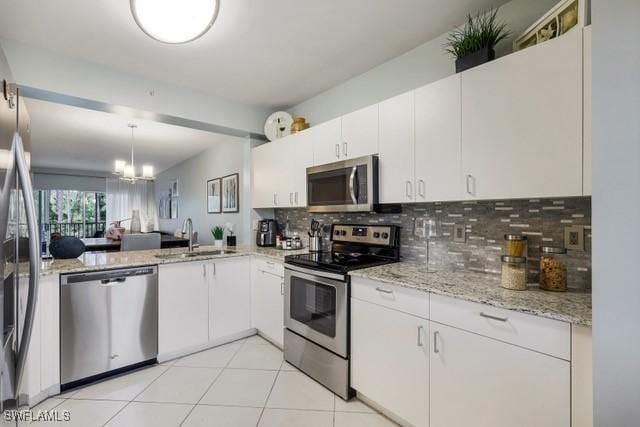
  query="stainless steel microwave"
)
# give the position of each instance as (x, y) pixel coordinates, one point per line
(345, 186)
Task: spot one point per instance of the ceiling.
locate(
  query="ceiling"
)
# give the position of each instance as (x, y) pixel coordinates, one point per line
(66, 137)
(273, 53)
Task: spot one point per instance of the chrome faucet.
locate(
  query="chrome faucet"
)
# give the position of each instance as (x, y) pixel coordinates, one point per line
(187, 227)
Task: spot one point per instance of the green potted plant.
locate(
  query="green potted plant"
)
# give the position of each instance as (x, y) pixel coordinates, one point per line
(218, 234)
(473, 43)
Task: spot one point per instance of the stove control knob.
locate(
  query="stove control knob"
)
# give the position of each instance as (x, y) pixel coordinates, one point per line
(337, 232)
(385, 235)
(376, 235)
(343, 233)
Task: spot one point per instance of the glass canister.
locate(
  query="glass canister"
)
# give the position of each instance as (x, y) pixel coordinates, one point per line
(514, 272)
(553, 268)
(515, 245)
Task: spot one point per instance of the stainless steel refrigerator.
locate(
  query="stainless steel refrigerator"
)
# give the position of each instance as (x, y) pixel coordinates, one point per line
(20, 248)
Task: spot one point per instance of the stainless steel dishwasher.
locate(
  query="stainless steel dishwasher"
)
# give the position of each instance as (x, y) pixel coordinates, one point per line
(108, 322)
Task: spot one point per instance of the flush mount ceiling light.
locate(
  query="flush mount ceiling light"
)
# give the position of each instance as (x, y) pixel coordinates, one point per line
(174, 21)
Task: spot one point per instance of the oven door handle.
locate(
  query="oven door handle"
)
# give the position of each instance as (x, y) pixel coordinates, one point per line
(352, 185)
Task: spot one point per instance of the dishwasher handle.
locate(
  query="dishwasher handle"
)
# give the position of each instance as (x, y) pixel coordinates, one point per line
(108, 276)
(114, 280)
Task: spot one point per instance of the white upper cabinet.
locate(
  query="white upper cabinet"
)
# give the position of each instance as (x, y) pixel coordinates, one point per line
(296, 155)
(588, 127)
(360, 133)
(481, 382)
(352, 135)
(279, 172)
(326, 141)
(264, 174)
(229, 297)
(522, 123)
(437, 141)
(396, 163)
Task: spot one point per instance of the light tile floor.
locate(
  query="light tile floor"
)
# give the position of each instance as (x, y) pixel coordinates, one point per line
(245, 383)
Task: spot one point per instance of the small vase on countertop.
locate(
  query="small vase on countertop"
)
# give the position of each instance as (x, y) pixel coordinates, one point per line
(136, 225)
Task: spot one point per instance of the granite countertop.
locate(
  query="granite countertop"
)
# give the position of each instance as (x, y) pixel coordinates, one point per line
(92, 261)
(572, 306)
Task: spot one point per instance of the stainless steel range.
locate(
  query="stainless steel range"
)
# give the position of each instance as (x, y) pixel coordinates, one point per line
(316, 307)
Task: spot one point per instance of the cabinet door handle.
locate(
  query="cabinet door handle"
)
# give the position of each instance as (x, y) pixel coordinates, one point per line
(384, 291)
(291, 198)
(213, 264)
(296, 197)
(421, 188)
(344, 149)
(435, 342)
(281, 288)
(338, 151)
(471, 180)
(420, 329)
(274, 199)
(409, 189)
(493, 317)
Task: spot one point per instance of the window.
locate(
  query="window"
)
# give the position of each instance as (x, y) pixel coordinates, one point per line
(71, 213)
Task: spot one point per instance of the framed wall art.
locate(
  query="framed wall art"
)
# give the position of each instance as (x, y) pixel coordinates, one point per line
(214, 193)
(231, 193)
(174, 187)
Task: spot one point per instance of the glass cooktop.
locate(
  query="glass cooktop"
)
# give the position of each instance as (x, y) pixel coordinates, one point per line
(341, 262)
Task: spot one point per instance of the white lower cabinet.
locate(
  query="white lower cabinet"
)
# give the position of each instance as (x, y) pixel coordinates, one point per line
(201, 303)
(267, 302)
(389, 360)
(229, 297)
(42, 370)
(425, 373)
(183, 312)
(481, 382)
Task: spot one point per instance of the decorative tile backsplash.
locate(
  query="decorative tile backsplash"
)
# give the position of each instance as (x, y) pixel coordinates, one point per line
(485, 222)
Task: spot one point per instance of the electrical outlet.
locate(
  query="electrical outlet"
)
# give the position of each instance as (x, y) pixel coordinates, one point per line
(574, 237)
(459, 233)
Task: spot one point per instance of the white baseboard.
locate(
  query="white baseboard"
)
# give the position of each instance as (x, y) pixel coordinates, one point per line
(43, 395)
(393, 417)
(266, 337)
(165, 357)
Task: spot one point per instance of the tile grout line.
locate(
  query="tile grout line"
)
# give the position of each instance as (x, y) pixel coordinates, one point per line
(334, 409)
(270, 390)
(213, 382)
(269, 395)
(129, 402)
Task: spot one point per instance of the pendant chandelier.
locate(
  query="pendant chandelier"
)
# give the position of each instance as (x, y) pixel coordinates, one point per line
(127, 171)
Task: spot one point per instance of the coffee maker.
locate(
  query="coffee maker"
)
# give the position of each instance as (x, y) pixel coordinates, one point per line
(267, 232)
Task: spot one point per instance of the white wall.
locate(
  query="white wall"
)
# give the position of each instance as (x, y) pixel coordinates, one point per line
(53, 72)
(418, 67)
(63, 179)
(223, 159)
(616, 212)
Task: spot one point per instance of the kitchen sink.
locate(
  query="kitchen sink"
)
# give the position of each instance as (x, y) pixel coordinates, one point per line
(195, 254)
